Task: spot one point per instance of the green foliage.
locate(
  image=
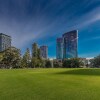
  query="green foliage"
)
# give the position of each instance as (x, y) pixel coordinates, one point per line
(34, 62)
(72, 63)
(57, 64)
(35, 51)
(11, 58)
(38, 54)
(48, 64)
(1, 57)
(95, 62)
(37, 61)
(26, 59)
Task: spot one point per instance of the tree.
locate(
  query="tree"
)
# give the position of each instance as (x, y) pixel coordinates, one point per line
(67, 63)
(26, 59)
(37, 63)
(35, 50)
(95, 62)
(72, 63)
(48, 64)
(36, 57)
(76, 63)
(43, 63)
(38, 54)
(1, 58)
(57, 64)
(34, 62)
(11, 58)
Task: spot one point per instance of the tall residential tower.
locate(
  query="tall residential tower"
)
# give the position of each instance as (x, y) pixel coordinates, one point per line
(44, 52)
(5, 42)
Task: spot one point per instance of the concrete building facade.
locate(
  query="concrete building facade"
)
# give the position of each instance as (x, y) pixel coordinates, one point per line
(5, 42)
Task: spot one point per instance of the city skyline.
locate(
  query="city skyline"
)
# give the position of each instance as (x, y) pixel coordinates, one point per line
(43, 21)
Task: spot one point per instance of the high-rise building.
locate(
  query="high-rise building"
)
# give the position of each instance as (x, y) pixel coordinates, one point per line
(70, 44)
(59, 48)
(67, 46)
(44, 52)
(5, 42)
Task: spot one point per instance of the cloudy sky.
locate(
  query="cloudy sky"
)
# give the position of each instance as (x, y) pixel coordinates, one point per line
(42, 21)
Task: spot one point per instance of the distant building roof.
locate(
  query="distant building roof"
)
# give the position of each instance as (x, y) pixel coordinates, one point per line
(5, 34)
(60, 39)
(43, 46)
(73, 31)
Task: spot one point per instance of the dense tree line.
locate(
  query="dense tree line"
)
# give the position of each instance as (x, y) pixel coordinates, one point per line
(12, 58)
(72, 63)
(95, 62)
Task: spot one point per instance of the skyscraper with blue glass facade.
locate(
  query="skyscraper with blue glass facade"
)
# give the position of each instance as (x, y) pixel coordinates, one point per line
(67, 46)
(44, 51)
(59, 48)
(70, 44)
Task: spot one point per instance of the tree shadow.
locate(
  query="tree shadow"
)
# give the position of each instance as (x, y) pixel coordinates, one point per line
(94, 72)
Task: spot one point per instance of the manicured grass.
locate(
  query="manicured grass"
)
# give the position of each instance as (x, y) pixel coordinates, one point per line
(50, 84)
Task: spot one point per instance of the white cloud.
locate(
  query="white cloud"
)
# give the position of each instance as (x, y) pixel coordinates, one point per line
(25, 31)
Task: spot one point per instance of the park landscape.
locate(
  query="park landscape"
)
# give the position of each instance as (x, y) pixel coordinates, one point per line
(49, 49)
(25, 77)
(50, 84)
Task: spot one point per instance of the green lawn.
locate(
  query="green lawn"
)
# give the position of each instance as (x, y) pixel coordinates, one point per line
(50, 84)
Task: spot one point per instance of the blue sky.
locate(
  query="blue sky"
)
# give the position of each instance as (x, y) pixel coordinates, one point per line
(42, 21)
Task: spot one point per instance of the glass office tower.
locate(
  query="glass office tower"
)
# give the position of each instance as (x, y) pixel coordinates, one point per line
(44, 52)
(59, 48)
(70, 45)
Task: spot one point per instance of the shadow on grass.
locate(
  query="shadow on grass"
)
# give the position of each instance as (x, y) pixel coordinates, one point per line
(94, 72)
